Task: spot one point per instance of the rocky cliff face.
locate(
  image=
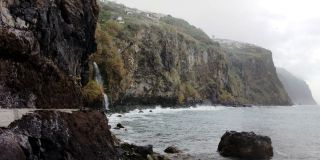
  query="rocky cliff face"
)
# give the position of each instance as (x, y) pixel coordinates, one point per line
(44, 48)
(252, 75)
(298, 90)
(149, 58)
(152, 59)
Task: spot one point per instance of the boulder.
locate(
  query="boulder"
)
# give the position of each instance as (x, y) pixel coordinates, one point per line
(172, 149)
(53, 135)
(119, 125)
(134, 152)
(245, 145)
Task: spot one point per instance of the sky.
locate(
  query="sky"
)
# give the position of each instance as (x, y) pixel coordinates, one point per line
(289, 28)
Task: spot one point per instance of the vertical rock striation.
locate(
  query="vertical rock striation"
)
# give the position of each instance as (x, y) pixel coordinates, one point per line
(44, 49)
(154, 59)
(252, 75)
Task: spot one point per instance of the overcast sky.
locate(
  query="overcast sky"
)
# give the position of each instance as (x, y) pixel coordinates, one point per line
(289, 28)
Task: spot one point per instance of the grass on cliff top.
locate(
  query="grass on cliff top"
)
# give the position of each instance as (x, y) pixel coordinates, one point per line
(112, 11)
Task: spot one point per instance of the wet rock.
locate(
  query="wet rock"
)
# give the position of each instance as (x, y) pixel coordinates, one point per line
(134, 152)
(144, 150)
(140, 111)
(119, 115)
(119, 125)
(150, 111)
(181, 156)
(53, 135)
(245, 145)
(172, 149)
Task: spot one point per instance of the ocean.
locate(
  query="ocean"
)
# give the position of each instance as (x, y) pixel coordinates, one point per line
(294, 130)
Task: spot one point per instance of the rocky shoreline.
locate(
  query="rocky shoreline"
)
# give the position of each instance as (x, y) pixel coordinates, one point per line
(45, 47)
(77, 135)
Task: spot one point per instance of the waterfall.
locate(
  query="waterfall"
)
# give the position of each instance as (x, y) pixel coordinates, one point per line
(99, 80)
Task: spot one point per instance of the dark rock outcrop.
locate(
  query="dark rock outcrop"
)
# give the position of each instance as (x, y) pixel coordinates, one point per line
(245, 145)
(52, 135)
(119, 125)
(298, 90)
(172, 149)
(44, 49)
(133, 152)
(9, 146)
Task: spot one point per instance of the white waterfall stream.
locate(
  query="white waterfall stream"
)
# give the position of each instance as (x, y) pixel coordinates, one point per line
(99, 80)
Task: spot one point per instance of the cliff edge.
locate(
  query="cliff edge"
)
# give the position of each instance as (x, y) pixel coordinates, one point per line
(298, 90)
(154, 59)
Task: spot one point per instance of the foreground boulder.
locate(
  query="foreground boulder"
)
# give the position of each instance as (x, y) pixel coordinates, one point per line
(52, 135)
(246, 145)
(172, 149)
(9, 147)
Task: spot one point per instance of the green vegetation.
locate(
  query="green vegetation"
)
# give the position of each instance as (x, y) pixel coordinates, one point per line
(225, 97)
(142, 55)
(92, 92)
(108, 57)
(184, 27)
(187, 93)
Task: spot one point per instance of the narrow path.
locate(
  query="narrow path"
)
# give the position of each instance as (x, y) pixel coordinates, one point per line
(9, 115)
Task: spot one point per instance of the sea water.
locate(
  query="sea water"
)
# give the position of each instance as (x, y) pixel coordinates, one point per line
(294, 130)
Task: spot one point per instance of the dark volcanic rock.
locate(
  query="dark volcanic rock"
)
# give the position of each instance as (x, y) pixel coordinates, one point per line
(44, 49)
(246, 145)
(119, 125)
(9, 147)
(134, 152)
(172, 149)
(52, 135)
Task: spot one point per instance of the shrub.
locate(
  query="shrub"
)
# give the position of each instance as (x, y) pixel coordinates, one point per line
(92, 93)
(225, 97)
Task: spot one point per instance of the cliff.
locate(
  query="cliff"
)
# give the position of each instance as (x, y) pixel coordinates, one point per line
(252, 74)
(44, 50)
(154, 59)
(298, 90)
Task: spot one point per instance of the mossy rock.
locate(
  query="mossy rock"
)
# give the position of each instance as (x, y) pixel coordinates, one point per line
(93, 95)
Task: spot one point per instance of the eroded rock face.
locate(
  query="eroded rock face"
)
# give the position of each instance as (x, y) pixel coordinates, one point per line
(252, 75)
(53, 135)
(9, 146)
(44, 47)
(246, 145)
